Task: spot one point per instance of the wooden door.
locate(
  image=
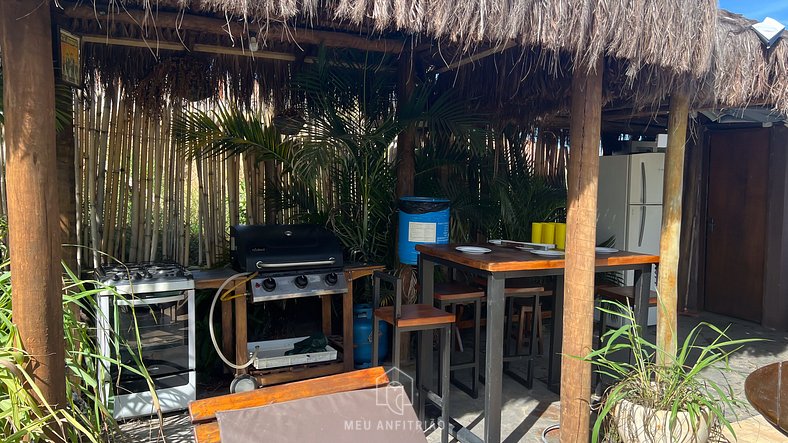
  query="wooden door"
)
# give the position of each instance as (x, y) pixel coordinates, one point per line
(736, 222)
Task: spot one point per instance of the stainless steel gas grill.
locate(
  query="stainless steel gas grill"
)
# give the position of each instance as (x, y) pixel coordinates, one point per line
(157, 298)
(291, 260)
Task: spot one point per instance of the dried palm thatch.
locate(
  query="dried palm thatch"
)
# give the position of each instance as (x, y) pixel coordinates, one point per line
(743, 71)
(672, 33)
(651, 48)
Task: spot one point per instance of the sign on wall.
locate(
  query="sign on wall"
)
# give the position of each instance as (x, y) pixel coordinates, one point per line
(70, 66)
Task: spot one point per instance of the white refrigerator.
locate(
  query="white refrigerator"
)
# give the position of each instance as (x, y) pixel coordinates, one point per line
(629, 206)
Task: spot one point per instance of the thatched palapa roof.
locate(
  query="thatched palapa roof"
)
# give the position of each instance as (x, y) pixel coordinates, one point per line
(514, 58)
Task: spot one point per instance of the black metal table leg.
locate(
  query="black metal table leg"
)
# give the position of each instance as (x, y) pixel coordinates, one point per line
(642, 294)
(494, 358)
(424, 362)
(556, 335)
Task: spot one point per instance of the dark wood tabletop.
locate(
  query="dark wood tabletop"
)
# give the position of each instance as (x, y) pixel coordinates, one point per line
(509, 259)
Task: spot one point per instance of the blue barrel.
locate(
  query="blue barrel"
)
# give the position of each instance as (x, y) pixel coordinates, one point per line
(421, 220)
(362, 337)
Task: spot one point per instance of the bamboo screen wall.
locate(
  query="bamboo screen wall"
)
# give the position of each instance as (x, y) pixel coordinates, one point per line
(141, 198)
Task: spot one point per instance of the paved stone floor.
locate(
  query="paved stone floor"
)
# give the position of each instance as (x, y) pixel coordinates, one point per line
(526, 413)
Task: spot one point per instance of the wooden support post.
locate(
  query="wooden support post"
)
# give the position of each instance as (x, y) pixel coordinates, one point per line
(33, 213)
(406, 141)
(578, 323)
(670, 238)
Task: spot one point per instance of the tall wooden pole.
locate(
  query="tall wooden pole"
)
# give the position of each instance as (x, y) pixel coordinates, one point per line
(33, 213)
(670, 237)
(578, 319)
(406, 141)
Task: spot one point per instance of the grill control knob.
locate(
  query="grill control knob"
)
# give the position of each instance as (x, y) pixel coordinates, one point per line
(269, 284)
(331, 279)
(301, 281)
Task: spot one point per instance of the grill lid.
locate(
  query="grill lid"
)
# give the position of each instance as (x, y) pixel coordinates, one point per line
(283, 247)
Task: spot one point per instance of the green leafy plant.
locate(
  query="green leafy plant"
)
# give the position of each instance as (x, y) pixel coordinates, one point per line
(23, 416)
(338, 169)
(678, 387)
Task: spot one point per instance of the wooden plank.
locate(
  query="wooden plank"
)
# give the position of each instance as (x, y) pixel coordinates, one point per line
(298, 373)
(207, 433)
(238, 29)
(507, 259)
(347, 328)
(415, 315)
(670, 236)
(325, 302)
(582, 185)
(205, 410)
(241, 353)
(227, 328)
(478, 56)
(31, 172)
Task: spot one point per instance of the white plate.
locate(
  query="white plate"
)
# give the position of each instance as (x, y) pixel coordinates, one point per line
(495, 242)
(601, 250)
(549, 253)
(472, 249)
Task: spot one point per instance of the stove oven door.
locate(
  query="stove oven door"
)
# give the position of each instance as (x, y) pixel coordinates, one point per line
(162, 332)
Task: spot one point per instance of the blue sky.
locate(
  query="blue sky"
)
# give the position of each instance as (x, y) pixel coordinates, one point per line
(759, 9)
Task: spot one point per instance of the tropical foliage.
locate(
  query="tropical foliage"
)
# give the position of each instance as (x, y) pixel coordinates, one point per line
(23, 417)
(683, 386)
(339, 169)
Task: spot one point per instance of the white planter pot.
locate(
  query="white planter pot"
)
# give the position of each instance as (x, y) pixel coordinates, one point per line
(639, 424)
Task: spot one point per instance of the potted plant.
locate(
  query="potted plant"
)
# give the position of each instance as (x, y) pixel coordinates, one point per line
(673, 402)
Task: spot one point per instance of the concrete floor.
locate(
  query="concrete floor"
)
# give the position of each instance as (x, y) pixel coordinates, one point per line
(526, 413)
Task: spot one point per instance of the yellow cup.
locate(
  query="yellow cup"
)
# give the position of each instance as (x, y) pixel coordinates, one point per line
(548, 233)
(560, 236)
(536, 232)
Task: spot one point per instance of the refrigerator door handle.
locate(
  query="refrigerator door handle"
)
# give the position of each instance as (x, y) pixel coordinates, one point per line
(642, 225)
(643, 182)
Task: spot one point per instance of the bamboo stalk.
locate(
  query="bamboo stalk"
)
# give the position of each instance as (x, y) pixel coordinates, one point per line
(79, 117)
(93, 185)
(203, 209)
(101, 161)
(125, 192)
(149, 213)
(188, 215)
(156, 207)
(135, 186)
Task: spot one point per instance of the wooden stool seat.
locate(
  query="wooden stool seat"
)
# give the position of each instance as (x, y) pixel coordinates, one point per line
(622, 293)
(457, 293)
(422, 319)
(415, 315)
(456, 296)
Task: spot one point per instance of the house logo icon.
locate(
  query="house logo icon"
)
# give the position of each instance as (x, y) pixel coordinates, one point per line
(398, 391)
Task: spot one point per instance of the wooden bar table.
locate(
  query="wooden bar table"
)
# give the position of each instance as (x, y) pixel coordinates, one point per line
(496, 267)
(234, 324)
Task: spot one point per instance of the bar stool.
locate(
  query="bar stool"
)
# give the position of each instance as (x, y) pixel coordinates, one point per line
(525, 317)
(420, 318)
(522, 292)
(452, 295)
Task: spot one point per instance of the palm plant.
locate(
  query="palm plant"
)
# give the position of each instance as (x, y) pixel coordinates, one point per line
(338, 169)
(494, 193)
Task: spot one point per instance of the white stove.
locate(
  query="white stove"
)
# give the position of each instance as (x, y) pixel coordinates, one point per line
(159, 299)
(146, 278)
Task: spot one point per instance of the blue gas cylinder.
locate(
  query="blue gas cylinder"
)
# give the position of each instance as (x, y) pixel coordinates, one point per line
(362, 337)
